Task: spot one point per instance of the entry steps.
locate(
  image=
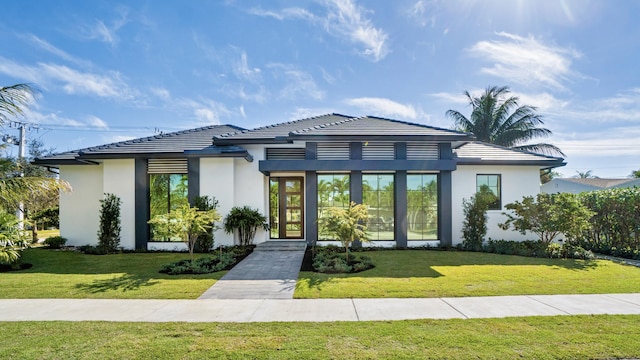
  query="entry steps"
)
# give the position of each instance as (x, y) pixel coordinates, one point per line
(282, 245)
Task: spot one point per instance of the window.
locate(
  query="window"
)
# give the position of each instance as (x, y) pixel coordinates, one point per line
(422, 207)
(167, 192)
(286, 208)
(377, 195)
(493, 184)
(333, 191)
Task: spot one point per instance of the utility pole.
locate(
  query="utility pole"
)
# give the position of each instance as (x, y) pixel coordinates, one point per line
(21, 153)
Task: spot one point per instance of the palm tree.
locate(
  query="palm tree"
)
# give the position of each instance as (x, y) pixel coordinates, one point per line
(585, 175)
(13, 99)
(15, 189)
(497, 118)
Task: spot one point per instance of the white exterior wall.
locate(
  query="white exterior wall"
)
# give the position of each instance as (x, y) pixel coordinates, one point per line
(217, 180)
(80, 208)
(251, 186)
(119, 179)
(517, 182)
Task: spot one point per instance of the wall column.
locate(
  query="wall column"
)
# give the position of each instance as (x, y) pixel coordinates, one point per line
(141, 204)
(311, 211)
(445, 210)
(400, 208)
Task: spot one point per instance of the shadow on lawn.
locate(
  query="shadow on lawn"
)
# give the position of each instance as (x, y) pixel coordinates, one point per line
(126, 282)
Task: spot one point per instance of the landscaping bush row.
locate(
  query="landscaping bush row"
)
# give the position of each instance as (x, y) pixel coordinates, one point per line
(222, 259)
(333, 260)
(615, 224)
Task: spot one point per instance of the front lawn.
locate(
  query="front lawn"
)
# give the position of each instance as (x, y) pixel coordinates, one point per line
(422, 273)
(558, 337)
(68, 274)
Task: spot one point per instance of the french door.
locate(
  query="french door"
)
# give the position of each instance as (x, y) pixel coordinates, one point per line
(286, 207)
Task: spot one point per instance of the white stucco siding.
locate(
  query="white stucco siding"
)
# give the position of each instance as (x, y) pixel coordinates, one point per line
(80, 208)
(517, 182)
(251, 186)
(217, 180)
(119, 179)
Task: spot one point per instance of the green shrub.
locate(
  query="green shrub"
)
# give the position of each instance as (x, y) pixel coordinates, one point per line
(205, 241)
(55, 242)
(205, 265)
(474, 227)
(245, 221)
(548, 216)
(615, 225)
(93, 250)
(109, 230)
(521, 248)
(333, 262)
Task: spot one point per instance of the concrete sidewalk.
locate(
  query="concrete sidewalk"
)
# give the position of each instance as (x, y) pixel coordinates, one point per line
(315, 310)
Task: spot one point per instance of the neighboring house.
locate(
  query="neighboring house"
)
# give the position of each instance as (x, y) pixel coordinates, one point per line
(578, 185)
(412, 177)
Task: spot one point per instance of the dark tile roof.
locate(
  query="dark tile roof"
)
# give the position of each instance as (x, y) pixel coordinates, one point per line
(168, 143)
(337, 125)
(282, 129)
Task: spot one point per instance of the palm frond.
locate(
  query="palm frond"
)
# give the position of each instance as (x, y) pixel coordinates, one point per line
(14, 98)
(15, 190)
(542, 148)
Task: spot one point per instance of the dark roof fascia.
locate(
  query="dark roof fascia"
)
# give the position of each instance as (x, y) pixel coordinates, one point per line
(477, 161)
(399, 138)
(257, 141)
(55, 163)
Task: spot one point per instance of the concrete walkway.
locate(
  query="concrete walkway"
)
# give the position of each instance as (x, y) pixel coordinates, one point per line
(270, 272)
(315, 310)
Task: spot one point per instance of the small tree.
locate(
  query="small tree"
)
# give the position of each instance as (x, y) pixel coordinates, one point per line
(347, 225)
(187, 223)
(474, 227)
(246, 222)
(205, 241)
(109, 231)
(549, 215)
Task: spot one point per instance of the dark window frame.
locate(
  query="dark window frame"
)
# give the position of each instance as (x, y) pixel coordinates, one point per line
(497, 205)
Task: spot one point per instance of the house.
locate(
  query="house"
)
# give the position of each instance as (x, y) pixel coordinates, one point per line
(412, 177)
(578, 185)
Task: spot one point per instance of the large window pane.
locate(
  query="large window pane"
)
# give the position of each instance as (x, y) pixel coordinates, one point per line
(377, 195)
(166, 192)
(333, 191)
(422, 206)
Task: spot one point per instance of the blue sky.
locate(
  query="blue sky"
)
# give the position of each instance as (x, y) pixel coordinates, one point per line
(111, 71)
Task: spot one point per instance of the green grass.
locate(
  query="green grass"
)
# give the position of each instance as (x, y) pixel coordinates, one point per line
(577, 337)
(67, 274)
(43, 234)
(420, 273)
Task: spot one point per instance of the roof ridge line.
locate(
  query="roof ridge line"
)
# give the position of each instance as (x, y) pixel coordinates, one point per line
(320, 126)
(414, 123)
(230, 134)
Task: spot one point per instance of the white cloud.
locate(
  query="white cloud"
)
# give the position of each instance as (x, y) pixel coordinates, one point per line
(76, 82)
(304, 113)
(527, 61)
(162, 93)
(107, 33)
(44, 45)
(297, 83)
(283, 14)
(96, 122)
(344, 19)
(422, 12)
(241, 69)
(384, 107)
(203, 111)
